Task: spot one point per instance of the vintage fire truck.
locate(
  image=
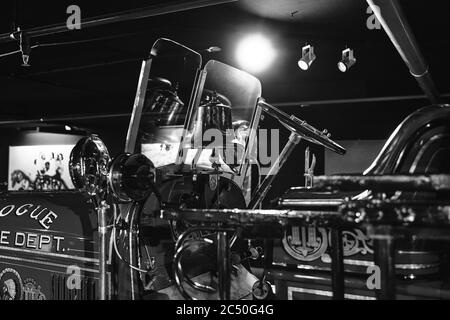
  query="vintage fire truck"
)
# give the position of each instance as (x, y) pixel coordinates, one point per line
(178, 214)
(190, 144)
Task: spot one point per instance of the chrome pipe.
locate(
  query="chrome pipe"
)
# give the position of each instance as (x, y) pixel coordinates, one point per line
(222, 253)
(181, 275)
(138, 106)
(178, 275)
(263, 189)
(102, 232)
(223, 265)
(178, 269)
(393, 20)
(136, 209)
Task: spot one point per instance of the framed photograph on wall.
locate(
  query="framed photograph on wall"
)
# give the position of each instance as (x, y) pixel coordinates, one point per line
(39, 168)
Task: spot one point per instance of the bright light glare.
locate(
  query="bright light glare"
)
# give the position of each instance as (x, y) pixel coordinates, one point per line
(342, 66)
(303, 65)
(255, 53)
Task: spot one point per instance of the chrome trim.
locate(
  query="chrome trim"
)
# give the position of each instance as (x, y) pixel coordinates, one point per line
(194, 101)
(311, 202)
(66, 234)
(309, 267)
(138, 106)
(77, 250)
(324, 293)
(415, 252)
(279, 264)
(44, 263)
(388, 160)
(424, 148)
(417, 266)
(363, 263)
(305, 277)
(51, 254)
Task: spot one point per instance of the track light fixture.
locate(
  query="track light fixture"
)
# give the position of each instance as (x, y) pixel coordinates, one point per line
(308, 57)
(25, 48)
(213, 49)
(348, 60)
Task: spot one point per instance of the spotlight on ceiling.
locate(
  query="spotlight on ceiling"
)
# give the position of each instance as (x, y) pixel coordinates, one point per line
(213, 49)
(348, 60)
(308, 57)
(255, 53)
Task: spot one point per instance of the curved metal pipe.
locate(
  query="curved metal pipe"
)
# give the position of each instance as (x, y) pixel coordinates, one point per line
(193, 284)
(392, 18)
(180, 247)
(185, 234)
(180, 276)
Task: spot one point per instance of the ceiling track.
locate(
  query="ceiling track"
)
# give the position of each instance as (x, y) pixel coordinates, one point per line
(124, 16)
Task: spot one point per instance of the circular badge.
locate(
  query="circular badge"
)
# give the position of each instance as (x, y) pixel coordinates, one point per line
(305, 243)
(11, 286)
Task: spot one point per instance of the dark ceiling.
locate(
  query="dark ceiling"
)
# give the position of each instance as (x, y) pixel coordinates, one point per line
(96, 70)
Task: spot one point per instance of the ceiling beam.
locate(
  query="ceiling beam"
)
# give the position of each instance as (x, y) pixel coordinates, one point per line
(356, 100)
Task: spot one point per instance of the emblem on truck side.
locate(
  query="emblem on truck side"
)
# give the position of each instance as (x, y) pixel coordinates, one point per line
(11, 287)
(305, 243)
(309, 243)
(32, 291)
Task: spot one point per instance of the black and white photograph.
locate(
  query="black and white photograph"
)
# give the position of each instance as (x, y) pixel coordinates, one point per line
(246, 154)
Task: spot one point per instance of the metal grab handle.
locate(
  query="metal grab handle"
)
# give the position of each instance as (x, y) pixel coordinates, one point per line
(180, 276)
(181, 246)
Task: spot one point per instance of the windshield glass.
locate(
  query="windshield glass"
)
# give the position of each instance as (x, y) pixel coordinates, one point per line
(221, 118)
(162, 102)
